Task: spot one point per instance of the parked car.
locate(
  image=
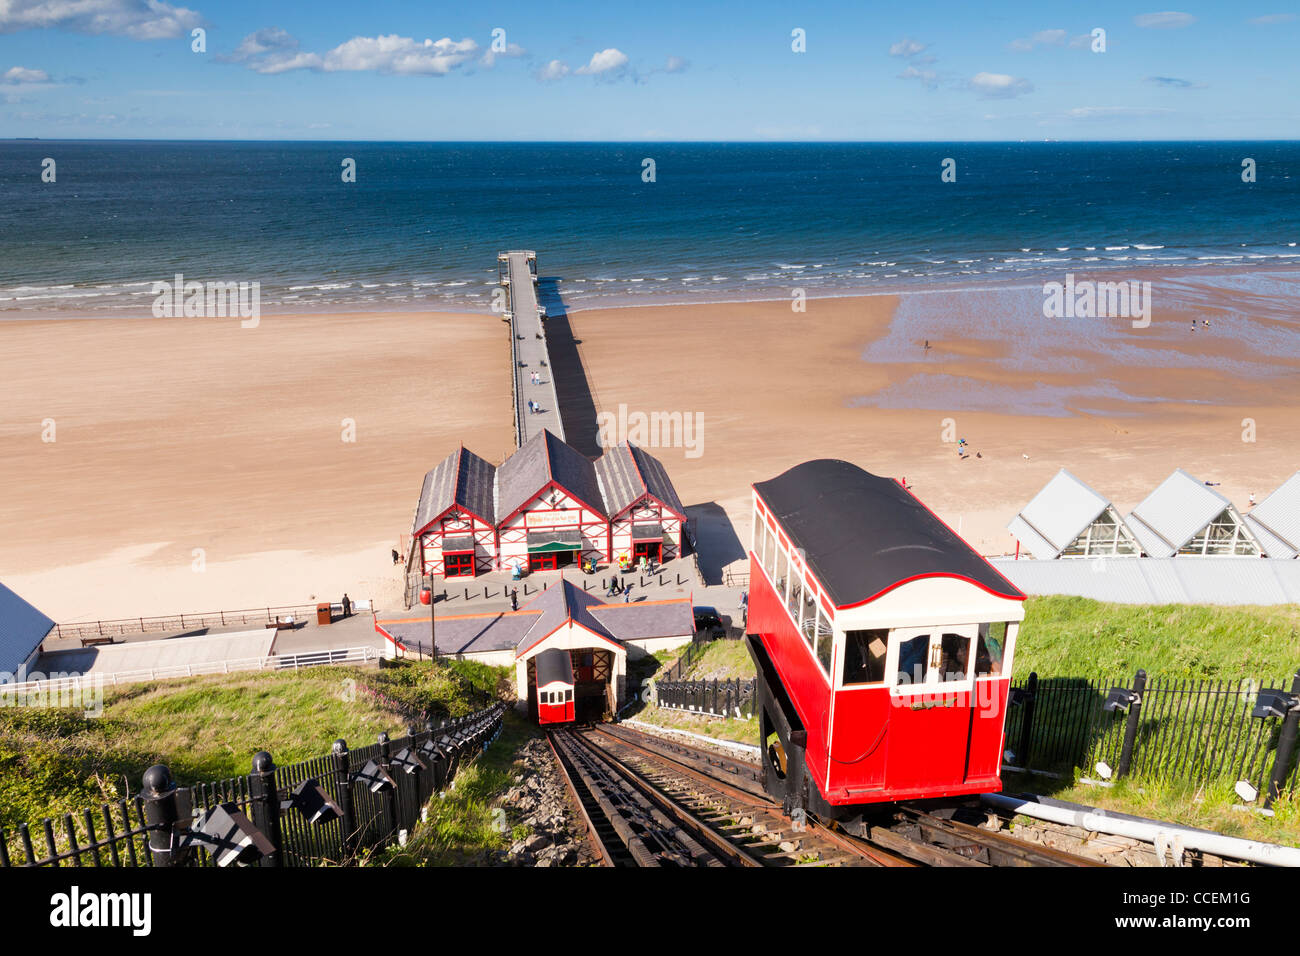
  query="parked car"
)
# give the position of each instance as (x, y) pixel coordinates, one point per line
(708, 619)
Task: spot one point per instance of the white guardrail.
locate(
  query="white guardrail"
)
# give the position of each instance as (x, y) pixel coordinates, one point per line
(280, 662)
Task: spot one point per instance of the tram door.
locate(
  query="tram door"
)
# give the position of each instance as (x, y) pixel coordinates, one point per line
(929, 729)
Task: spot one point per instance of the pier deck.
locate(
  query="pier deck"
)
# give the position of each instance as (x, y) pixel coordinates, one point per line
(517, 271)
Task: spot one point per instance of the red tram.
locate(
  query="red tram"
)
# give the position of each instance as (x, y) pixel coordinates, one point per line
(554, 687)
(883, 645)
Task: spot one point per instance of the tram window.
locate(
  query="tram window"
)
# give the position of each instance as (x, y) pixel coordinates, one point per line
(913, 659)
(991, 650)
(954, 653)
(864, 656)
(568, 696)
(825, 641)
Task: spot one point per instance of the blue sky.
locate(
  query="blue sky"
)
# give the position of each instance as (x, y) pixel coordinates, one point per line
(337, 69)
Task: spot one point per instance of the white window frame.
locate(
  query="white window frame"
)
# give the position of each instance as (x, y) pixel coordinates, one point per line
(932, 684)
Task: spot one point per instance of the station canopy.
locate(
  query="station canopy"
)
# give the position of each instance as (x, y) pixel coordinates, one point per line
(1067, 519)
(1184, 516)
(1275, 521)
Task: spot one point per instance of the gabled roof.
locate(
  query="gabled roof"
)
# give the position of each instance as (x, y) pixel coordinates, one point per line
(627, 473)
(542, 459)
(463, 479)
(863, 535)
(22, 628)
(1172, 515)
(647, 619)
(1276, 520)
(559, 604)
(464, 633)
(1057, 515)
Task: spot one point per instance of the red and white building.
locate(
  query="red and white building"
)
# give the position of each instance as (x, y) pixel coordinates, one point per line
(646, 517)
(545, 507)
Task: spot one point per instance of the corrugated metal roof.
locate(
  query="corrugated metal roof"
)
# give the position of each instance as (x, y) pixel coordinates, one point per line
(1205, 580)
(22, 628)
(1031, 540)
(1273, 546)
(1059, 513)
(1171, 515)
(1279, 516)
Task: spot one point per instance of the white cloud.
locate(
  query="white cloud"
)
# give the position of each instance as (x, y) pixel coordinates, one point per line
(1166, 20)
(22, 76)
(1271, 18)
(929, 78)
(1041, 38)
(676, 64)
(511, 50)
(999, 85)
(137, 19)
(273, 51)
(906, 47)
(553, 71)
(605, 61)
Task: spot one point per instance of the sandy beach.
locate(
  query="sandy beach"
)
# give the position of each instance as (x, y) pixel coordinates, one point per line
(176, 435)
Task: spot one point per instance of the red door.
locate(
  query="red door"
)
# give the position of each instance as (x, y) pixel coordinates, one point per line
(458, 565)
(541, 562)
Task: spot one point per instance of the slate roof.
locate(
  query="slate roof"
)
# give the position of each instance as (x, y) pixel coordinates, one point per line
(468, 633)
(544, 458)
(627, 473)
(462, 478)
(863, 535)
(22, 628)
(647, 619)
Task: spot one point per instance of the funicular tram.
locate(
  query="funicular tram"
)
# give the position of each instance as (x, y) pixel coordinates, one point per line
(883, 645)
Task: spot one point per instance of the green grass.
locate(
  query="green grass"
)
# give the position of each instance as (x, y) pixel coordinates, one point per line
(1077, 637)
(724, 728)
(722, 660)
(205, 728)
(465, 825)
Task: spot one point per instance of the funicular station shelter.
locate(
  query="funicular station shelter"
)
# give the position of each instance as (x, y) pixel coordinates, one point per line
(598, 637)
(544, 508)
(883, 643)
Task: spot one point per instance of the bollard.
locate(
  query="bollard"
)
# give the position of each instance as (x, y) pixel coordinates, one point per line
(162, 815)
(343, 782)
(1285, 748)
(266, 805)
(1131, 727)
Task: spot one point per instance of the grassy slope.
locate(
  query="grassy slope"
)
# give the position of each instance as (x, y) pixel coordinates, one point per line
(207, 728)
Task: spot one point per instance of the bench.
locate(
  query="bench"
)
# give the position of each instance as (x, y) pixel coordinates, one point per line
(93, 641)
(280, 625)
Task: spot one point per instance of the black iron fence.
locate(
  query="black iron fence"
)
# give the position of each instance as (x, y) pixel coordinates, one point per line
(328, 810)
(720, 698)
(1199, 731)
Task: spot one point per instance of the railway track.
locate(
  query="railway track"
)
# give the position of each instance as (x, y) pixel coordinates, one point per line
(650, 801)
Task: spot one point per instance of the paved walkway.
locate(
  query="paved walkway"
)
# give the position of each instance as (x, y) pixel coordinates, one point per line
(528, 348)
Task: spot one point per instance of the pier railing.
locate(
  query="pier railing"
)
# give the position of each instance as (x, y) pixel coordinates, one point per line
(180, 622)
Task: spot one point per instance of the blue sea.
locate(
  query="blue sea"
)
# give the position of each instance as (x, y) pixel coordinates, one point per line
(421, 226)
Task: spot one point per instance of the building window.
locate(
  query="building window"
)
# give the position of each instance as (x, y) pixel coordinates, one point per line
(458, 565)
(864, 656)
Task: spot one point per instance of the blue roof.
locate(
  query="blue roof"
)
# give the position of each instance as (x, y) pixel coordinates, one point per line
(22, 628)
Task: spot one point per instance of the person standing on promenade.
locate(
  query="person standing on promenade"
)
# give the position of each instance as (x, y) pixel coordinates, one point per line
(347, 605)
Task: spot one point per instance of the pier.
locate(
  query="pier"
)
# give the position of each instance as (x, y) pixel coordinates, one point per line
(517, 273)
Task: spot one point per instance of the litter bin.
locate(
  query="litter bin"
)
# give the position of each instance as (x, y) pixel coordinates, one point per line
(322, 613)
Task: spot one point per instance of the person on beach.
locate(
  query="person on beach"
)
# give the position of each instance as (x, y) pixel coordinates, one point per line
(347, 605)
(397, 558)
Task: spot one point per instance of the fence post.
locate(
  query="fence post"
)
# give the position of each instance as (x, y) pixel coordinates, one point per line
(1285, 748)
(1027, 718)
(388, 794)
(266, 805)
(343, 782)
(1131, 728)
(412, 744)
(161, 815)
